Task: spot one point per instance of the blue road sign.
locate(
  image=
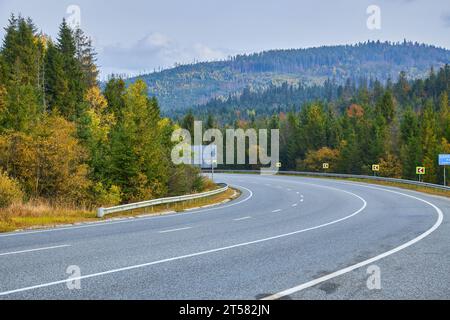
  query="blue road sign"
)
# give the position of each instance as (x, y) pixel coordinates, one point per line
(444, 159)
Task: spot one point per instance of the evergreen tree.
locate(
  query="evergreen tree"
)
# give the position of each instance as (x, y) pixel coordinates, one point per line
(188, 123)
(430, 142)
(385, 106)
(114, 93)
(71, 102)
(86, 57)
(56, 83)
(138, 162)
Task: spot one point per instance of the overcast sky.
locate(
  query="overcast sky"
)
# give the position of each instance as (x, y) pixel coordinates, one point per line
(135, 35)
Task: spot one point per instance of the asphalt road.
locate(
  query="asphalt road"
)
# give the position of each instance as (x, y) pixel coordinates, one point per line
(284, 238)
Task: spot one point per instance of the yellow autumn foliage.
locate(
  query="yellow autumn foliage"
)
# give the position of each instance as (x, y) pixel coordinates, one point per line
(49, 162)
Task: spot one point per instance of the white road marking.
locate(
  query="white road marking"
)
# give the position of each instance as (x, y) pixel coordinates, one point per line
(295, 204)
(48, 284)
(368, 261)
(289, 189)
(33, 250)
(298, 192)
(108, 223)
(174, 230)
(278, 210)
(240, 219)
(301, 200)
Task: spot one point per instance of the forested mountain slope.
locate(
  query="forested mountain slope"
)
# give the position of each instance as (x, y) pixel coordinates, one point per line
(187, 86)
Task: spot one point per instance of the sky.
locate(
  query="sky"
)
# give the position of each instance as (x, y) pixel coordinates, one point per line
(137, 36)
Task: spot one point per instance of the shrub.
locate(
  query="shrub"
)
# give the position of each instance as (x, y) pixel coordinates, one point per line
(185, 179)
(106, 197)
(10, 191)
(49, 162)
(314, 160)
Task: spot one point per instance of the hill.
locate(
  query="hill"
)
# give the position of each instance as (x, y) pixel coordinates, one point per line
(186, 86)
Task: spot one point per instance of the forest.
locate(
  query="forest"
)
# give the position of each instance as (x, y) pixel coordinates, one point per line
(66, 139)
(65, 142)
(193, 85)
(399, 125)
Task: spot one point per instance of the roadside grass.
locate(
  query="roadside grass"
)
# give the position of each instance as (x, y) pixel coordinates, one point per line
(162, 209)
(412, 187)
(40, 214)
(37, 215)
(423, 189)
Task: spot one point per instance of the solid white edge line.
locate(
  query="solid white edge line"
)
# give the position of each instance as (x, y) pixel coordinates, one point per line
(109, 223)
(368, 261)
(33, 250)
(275, 211)
(243, 218)
(197, 253)
(174, 230)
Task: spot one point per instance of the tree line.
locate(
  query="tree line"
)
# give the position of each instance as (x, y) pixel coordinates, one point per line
(64, 140)
(398, 125)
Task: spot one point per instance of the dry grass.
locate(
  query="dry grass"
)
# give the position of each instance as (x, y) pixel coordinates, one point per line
(181, 206)
(38, 214)
(428, 190)
(423, 189)
(208, 184)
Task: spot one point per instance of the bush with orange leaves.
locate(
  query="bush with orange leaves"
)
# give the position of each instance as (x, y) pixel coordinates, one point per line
(314, 160)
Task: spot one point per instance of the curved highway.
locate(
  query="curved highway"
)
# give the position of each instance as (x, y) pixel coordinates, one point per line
(284, 238)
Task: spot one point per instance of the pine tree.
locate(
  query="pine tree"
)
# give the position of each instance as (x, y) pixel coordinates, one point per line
(385, 106)
(71, 102)
(444, 115)
(430, 142)
(139, 164)
(114, 93)
(210, 122)
(188, 123)
(20, 72)
(22, 108)
(56, 82)
(86, 57)
(9, 47)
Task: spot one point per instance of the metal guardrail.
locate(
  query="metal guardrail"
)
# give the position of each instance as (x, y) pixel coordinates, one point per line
(101, 212)
(347, 176)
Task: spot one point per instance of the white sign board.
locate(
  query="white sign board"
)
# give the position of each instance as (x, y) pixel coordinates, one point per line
(204, 156)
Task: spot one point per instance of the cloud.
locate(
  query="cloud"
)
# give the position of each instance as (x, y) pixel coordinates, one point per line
(156, 40)
(152, 52)
(446, 19)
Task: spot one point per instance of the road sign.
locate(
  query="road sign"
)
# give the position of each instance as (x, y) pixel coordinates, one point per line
(278, 164)
(204, 157)
(326, 166)
(376, 167)
(444, 159)
(420, 170)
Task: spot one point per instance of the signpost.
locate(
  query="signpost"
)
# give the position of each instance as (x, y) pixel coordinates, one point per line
(375, 168)
(444, 160)
(205, 157)
(420, 171)
(326, 166)
(278, 164)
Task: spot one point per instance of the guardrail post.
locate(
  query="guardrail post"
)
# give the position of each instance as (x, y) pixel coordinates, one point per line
(100, 212)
